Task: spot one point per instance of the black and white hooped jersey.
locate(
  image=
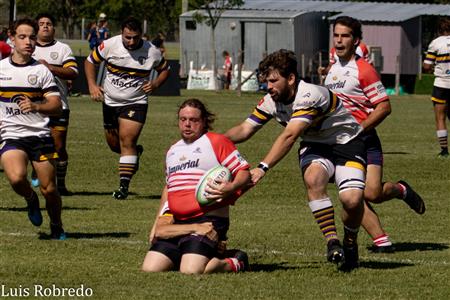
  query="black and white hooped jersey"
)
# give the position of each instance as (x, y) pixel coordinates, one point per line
(330, 122)
(33, 80)
(126, 70)
(60, 55)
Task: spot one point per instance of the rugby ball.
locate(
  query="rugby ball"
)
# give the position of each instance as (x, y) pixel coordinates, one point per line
(216, 173)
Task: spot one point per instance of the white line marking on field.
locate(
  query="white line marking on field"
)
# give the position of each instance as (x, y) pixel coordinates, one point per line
(374, 257)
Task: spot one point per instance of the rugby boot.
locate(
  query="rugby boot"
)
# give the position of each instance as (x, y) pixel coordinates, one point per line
(57, 232)
(34, 211)
(443, 153)
(413, 199)
(121, 193)
(335, 254)
(351, 260)
(382, 249)
(242, 258)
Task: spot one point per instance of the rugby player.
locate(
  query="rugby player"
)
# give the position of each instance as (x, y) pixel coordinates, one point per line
(330, 148)
(186, 236)
(59, 59)
(438, 55)
(28, 95)
(129, 60)
(358, 84)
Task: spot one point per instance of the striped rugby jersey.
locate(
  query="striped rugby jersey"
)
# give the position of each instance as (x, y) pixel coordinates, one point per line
(439, 54)
(58, 54)
(34, 80)
(315, 105)
(361, 50)
(186, 164)
(358, 84)
(126, 70)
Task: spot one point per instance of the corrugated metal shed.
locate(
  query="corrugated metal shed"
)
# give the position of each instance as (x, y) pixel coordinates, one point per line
(364, 11)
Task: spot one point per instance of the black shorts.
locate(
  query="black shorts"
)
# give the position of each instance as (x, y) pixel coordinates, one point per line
(338, 154)
(175, 248)
(373, 147)
(61, 122)
(37, 148)
(134, 112)
(440, 95)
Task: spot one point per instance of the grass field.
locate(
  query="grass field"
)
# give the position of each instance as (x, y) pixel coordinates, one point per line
(107, 238)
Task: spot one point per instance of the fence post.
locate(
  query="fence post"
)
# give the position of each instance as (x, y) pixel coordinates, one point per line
(303, 65)
(239, 85)
(320, 65)
(397, 75)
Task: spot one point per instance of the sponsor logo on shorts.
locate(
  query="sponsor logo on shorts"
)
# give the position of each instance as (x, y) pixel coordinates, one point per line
(2, 145)
(131, 113)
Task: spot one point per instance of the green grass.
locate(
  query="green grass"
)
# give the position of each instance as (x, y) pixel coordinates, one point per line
(107, 238)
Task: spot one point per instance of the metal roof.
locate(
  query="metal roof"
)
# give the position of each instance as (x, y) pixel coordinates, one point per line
(364, 11)
(253, 14)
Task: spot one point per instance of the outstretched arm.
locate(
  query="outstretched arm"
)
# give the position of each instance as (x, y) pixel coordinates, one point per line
(242, 132)
(280, 148)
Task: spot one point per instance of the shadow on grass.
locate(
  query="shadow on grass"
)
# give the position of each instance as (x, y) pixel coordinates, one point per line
(271, 267)
(25, 209)
(405, 247)
(149, 197)
(381, 265)
(85, 235)
(396, 152)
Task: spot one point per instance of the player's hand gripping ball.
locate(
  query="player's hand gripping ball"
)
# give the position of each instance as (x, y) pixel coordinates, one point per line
(215, 174)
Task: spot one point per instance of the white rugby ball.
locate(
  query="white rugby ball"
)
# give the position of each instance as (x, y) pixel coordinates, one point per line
(216, 173)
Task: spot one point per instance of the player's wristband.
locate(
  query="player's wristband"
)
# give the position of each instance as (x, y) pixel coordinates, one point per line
(263, 166)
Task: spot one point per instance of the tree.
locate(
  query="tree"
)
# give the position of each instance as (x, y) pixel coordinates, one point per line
(214, 10)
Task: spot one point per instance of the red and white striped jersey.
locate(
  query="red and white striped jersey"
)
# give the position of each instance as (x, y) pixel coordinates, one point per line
(186, 164)
(358, 85)
(362, 51)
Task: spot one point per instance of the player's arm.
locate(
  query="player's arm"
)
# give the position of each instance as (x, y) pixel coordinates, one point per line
(163, 73)
(61, 72)
(381, 111)
(95, 90)
(226, 189)
(165, 229)
(427, 67)
(242, 132)
(280, 148)
(50, 106)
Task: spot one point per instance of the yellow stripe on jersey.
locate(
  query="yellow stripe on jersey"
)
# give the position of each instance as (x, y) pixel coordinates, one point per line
(259, 115)
(10, 94)
(334, 103)
(355, 164)
(96, 57)
(122, 71)
(310, 113)
(443, 59)
(70, 64)
(430, 56)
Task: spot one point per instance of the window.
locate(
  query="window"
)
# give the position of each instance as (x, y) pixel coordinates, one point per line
(191, 25)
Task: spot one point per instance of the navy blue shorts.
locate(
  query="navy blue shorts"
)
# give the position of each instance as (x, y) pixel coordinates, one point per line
(37, 148)
(175, 248)
(373, 147)
(440, 95)
(134, 112)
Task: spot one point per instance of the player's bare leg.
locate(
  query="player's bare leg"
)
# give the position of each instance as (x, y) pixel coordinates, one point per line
(15, 164)
(156, 262)
(46, 172)
(60, 139)
(441, 127)
(129, 132)
(316, 180)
